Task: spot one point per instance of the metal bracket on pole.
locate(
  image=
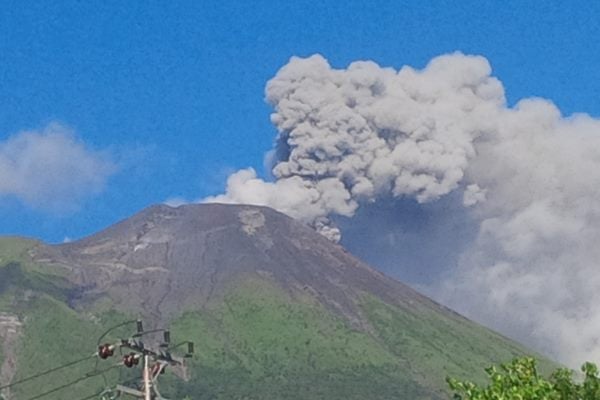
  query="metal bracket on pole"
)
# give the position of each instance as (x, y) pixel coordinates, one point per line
(155, 360)
(130, 391)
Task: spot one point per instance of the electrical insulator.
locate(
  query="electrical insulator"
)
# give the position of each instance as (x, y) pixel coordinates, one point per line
(129, 360)
(105, 351)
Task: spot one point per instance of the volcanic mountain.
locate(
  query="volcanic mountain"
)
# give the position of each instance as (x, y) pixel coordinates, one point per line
(276, 310)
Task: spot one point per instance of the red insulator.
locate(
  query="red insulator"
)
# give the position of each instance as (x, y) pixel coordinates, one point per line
(129, 360)
(105, 351)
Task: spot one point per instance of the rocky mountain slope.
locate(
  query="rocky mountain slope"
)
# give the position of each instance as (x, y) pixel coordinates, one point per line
(276, 310)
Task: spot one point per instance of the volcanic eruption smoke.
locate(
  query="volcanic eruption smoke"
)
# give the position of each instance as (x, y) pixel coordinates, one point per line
(528, 176)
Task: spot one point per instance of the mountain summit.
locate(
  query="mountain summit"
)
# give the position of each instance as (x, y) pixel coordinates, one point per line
(164, 260)
(276, 310)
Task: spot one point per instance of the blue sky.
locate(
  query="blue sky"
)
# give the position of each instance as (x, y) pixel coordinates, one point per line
(173, 95)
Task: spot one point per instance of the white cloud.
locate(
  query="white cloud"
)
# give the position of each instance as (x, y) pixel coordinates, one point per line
(50, 169)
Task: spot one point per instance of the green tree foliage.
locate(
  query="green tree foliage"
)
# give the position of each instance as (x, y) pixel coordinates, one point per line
(520, 380)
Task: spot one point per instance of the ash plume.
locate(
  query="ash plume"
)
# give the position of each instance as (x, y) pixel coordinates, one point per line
(528, 180)
(347, 137)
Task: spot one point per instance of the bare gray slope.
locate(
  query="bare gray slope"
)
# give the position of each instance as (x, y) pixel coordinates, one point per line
(166, 260)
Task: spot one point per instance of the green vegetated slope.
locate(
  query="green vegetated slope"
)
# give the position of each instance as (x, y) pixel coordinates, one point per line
(260, 345)
(52, 333)
(260, 342)
(55, 335)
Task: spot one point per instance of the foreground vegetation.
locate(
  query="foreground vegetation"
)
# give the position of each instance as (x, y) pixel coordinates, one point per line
(521, 380)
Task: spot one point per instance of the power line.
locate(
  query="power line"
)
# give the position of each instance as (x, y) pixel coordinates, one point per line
(66, 385)
(46, 372)
(115, 327)
(93, 396)
(160, 358)
(130, 381)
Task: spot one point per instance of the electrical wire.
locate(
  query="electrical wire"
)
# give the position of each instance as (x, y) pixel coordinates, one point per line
(140, 334)
(103, 392)
(115, 327)
(96, 372)
(89, 375)
(66, 385)
(93, 395)
(46, 372)
(126, 383)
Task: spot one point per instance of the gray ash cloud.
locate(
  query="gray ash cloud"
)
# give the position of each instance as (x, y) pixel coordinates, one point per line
(526, 177)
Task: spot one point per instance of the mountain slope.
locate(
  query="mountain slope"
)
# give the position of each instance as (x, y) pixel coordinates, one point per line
(165, 259)
(276, 310)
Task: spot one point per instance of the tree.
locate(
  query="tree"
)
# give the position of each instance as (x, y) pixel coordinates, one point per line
(520, 380)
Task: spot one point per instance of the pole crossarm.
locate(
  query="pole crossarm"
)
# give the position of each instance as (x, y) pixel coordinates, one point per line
(154, 360)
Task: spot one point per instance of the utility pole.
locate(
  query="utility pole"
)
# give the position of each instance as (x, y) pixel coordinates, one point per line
(154, 360)
(147, 381)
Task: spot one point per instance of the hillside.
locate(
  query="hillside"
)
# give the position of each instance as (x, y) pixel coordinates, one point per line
(276, 311)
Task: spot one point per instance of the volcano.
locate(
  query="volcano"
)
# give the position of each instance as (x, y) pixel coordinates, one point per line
(276, 310)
